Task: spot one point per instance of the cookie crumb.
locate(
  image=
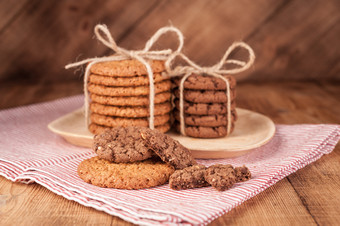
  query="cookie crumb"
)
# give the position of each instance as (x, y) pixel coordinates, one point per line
(221, 177)
(242, 173)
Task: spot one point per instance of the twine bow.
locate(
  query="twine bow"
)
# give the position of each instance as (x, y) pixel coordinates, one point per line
(215, 71)
(123, 54)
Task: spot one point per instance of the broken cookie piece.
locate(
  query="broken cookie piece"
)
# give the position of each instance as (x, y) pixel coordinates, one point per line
(168, 149)
(190, 177)
(221, 177)
(242, 173)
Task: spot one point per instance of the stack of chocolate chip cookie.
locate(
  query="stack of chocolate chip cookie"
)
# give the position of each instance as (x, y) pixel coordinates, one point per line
(119, 92)
(205, 105)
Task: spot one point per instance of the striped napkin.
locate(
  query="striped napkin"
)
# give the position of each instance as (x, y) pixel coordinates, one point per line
(29, 152)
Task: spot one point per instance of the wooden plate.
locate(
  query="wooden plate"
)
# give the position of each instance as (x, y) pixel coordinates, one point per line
(252, 130)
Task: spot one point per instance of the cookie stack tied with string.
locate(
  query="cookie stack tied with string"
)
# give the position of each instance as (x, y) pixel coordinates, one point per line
(129, 88)
(119, 93)
(205, 104)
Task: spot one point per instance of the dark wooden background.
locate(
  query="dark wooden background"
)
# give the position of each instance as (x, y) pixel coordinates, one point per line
(293, 40)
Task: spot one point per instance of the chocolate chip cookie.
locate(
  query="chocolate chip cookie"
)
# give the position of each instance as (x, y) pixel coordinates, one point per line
(168, 149)
(205, 82)
(204, 108)
(190, 177)
(204, 131)
(205, 96)
(206, 120)
(121, 145)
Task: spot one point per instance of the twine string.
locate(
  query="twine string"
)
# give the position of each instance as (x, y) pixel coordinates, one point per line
(104, 36)
(216, 71)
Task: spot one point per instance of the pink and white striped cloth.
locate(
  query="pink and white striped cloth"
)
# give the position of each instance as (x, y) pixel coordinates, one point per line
(29, 152)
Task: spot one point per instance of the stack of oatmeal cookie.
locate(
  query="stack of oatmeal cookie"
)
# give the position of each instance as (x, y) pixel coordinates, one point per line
(205, 105)
(119, 92)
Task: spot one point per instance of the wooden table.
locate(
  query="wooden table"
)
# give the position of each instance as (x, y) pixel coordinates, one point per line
(311, 196)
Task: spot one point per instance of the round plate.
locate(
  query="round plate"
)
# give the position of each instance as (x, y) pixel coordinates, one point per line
(252, 130)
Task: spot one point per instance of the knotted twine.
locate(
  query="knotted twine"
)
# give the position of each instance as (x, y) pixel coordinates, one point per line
(215, 71)
(123, 54)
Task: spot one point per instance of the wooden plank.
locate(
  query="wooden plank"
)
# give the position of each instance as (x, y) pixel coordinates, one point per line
(290, 102)
(298, 42)
(331, 88)
(304, 103)
(15, 94)
(315, 185)
(36, 205)
(323, 53)
(9, 12)
(48, 35)
(208, 27)
(278, 204)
